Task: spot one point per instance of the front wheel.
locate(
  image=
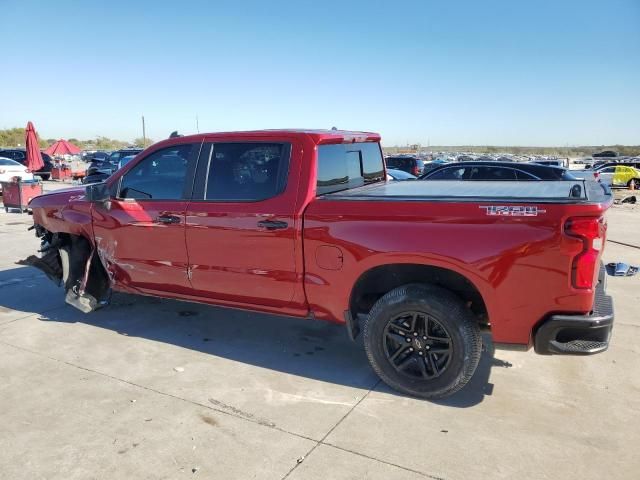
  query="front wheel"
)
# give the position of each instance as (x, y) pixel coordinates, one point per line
(423, 341)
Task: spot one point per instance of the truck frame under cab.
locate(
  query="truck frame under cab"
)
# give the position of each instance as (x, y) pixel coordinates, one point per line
(304, 223)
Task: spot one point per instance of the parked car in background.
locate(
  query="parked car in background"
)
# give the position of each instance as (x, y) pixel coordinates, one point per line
(97, 174)
(399, 175)
(605, 154)
(619, 176)
(100, 170)
(99, 156)
(412, 165)
(626, 163)
(497, 171)
(124, 160)
(559, 162)
(115, 157)
(20, 156)
(10, 168)
(430, 165)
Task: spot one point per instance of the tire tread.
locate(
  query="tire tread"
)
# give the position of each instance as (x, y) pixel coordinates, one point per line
(448, 300)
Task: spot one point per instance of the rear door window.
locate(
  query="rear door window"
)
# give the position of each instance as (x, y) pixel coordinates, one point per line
(246, 171)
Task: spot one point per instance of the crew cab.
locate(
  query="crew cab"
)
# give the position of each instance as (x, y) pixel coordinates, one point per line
(304, 223)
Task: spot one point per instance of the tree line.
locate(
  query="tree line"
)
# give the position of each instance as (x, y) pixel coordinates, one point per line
(14, 137)
(561, 152)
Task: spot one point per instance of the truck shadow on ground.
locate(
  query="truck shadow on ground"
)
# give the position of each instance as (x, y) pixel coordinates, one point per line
(309, 349)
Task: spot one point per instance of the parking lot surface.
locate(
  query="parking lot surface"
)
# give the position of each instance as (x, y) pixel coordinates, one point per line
(152, 388)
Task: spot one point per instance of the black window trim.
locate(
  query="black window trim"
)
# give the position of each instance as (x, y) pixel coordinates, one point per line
(204, 168)
(189, 175)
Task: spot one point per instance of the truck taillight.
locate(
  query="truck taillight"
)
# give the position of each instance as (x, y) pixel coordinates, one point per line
(596, 175)
(591, 230)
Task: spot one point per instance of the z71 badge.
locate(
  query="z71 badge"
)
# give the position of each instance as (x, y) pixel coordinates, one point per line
(513, 210)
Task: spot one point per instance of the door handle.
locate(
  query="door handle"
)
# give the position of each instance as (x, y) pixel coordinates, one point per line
(272, 224)
(167, 219)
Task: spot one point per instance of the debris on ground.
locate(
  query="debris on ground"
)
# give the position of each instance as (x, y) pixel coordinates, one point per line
(178, 369)
(626, 199)
(621, 269)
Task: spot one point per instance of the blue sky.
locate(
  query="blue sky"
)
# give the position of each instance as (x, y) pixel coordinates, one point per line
(448, 73)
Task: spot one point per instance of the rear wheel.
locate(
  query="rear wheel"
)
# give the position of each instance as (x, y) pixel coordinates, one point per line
(634, 183)
(422, 340)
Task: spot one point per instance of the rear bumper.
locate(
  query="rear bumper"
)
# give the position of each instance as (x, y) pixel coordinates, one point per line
(578, 334)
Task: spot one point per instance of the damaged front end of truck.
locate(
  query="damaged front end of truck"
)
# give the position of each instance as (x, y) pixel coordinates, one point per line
(66, 255)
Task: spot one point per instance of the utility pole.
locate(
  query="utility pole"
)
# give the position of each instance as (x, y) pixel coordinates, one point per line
(144, 134)
(197, 126)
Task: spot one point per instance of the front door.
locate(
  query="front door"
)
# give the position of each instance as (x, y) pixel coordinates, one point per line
(140, 232)
(240, 227)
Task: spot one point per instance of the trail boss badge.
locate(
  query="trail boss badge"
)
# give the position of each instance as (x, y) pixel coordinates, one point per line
(513, 210)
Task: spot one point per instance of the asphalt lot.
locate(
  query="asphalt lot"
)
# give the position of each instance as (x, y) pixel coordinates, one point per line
(151, 388)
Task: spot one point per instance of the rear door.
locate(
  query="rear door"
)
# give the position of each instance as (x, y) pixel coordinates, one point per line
(242, 227)
(140, 232)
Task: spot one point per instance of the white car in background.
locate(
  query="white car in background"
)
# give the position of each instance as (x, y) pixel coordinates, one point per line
(10, 168)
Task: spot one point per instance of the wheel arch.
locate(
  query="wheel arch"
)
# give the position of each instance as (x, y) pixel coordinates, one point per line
(373, 283)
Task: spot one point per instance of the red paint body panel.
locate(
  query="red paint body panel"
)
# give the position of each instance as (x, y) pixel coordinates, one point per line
(136, 250)
(520, 265)
(218, 254)
(65, 211)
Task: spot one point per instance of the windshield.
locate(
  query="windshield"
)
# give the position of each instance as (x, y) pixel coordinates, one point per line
(5, 162)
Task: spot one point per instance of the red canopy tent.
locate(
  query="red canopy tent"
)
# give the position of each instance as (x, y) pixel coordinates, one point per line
(34, 157)
(62, 147)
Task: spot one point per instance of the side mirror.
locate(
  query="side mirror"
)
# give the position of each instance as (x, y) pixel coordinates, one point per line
(97, 192)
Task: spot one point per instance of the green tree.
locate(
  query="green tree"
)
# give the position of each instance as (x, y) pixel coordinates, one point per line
(140, 142)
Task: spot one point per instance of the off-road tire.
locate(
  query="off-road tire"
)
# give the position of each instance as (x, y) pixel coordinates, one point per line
(450, 313)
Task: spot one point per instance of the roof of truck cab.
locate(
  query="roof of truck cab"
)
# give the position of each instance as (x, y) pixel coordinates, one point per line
(317, 136)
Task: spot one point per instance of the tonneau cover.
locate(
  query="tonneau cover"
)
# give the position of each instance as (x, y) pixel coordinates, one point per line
(562, 191)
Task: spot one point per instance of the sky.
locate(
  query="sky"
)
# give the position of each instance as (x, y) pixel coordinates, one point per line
(563, 72)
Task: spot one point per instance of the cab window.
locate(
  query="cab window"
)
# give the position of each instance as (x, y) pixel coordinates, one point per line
(344, 166)
(160, 176)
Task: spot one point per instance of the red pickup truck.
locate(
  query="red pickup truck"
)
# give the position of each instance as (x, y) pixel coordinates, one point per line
(304, 223)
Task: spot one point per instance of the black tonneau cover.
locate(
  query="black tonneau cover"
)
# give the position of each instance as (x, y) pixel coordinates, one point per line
(562, 191)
